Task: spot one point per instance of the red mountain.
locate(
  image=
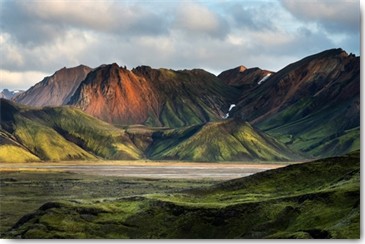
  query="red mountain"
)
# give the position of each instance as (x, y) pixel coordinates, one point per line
(157, 97)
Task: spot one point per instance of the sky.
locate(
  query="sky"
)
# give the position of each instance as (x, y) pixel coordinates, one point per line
(38, 38)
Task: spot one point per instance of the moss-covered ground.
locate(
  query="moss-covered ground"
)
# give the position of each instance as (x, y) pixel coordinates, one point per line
(319, 199)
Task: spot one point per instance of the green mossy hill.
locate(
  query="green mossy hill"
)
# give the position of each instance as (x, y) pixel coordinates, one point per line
(10, 149)
(321, 134)
(318, 199)
(66, 133)
(61, 133)
(228, 140)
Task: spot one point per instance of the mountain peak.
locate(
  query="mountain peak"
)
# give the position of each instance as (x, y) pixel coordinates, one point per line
(241, 68)
(55, 90)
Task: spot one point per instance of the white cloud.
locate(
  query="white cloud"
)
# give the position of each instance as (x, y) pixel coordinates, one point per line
(10, 53)
(19, 80)
(199, 19)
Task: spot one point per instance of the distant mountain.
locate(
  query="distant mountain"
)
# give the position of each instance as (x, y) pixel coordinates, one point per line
(155, 97)
(65, 133)
(7, 94)
(54, 90)
(312, 105)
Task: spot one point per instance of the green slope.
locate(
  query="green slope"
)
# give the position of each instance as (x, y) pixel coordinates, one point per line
(318, 199)
(62, 133)
(12, 151)
(65, 133)
(228, 140)
(321, 134)
(311, 105)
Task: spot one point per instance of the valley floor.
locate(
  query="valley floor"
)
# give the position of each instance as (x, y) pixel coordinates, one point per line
(141, 169)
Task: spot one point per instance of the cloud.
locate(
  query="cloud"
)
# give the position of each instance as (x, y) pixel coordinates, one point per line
(39, 37)
(198, 19)
(332, 15)
(34, 23)
(16, 80)
(254, 17)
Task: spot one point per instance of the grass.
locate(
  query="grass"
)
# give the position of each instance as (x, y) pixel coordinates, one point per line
(16, 153)
(25, 191)
(228, 140)
(65, 133)
(319, 199)
(322, 134)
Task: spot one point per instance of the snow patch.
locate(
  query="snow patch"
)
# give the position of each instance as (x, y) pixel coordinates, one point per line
(230, 108)
(263, 79)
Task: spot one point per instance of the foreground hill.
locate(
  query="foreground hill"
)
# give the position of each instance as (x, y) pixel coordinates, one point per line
(318, 199)
(312, 105)
(65, 133)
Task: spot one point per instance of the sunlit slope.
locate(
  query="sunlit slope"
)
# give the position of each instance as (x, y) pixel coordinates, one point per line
(318, 199)
(229, 140)
(11, 151)
(64, 134)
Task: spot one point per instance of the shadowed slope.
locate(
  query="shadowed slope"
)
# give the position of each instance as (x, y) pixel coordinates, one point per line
(311, 105)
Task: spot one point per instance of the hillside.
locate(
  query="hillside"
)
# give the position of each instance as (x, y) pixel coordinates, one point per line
(65, 133)
(62, 133)
(154, 97)
(312, 105)
(229, 140)
(319, 199)
(56, 89)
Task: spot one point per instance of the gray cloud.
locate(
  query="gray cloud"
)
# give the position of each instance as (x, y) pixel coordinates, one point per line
(255, 17)
(332, 15)
(34, 23)
(39, 37)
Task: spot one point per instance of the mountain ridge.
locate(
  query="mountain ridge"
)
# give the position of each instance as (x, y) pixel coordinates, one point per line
(312, 105)
(67, 133)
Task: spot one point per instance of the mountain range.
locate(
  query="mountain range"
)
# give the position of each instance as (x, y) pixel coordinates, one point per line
(7, 94)
(308, 109)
